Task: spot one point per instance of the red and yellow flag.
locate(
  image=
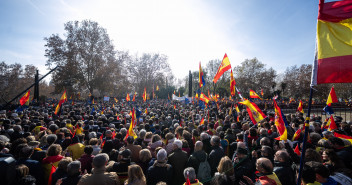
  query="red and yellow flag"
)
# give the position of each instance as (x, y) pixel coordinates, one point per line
(144, 94)
(237, 109)
(25, 98)
(201, 122)
(128, 97)
(332, 97)
(300, 107)
(224, 66)
(254, 112)
(62, 100)
(297, 135)
(157, 88)
(115, 100)
(232, 85)
(280, 123)
(130, 131)
(134, 96)
(332, 124)
(349, 138)
(262, 92)
(204, 98)
(333, 62)
(252, 94)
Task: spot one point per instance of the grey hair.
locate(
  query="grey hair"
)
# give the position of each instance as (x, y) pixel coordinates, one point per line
(198, 146)
(191, 173)
(74, 167)
(142, 133)
(215, 140)
(100, 160)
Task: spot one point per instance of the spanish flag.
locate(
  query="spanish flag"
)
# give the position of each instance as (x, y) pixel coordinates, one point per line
(297, 135)
(254, 112)
(333, 58)
(224, 66)
(25, 98)
(201, 77)
(62, 100)
(204, 98)
(332, 97)
(280, 123)
(201, 122)
(300, 107)
(157, 88)
(237, 109)
(341, 136)
(134, 96)
(130, 131)
(262, 93)
(252, 94)
(128, 97)
(232, 85)
(145, 94)
(332, 124)
(116, 100)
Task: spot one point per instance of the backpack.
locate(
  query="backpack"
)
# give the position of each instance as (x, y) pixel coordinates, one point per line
(204, 171)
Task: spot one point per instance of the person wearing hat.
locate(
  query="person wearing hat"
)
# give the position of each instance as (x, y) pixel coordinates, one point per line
(160, 170)
(121, 167)
(178, 159)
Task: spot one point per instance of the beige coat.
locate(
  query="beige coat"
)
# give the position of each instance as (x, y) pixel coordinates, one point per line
(100, 177)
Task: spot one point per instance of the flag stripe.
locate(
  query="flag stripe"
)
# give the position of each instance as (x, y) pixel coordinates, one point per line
(335, 11)
(335, 70)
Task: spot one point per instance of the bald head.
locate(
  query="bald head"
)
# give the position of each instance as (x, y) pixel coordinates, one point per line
(281, 156)
(264, 165)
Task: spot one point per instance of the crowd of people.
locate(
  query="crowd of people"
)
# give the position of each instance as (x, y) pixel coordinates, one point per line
(175, 143)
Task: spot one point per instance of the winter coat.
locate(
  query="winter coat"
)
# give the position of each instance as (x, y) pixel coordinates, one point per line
(178, 160)
(285, 173)
(159, 171)
(99, 177)
(195, 159)
(86, 162)
(214, 158)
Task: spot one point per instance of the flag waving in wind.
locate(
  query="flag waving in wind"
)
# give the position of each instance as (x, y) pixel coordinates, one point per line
(130, 131)
(333, 58)
(252, 94)
(280, 123)
(144, 94)
(25, 98)
(254, 112)
(300, 107)
(232, 85)
(201, 77)
(332, 97)
(62, 100)
(224, 66)
(128, 97)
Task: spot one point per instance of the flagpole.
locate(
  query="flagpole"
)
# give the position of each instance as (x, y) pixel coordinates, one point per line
(306, 129)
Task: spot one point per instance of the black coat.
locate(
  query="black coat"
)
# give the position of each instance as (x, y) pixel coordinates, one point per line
(285, 173)
(178, 160)
(196, 158)
(71, 180)
(35, 169)
(244, 168)
(214, 158)
(156, 174)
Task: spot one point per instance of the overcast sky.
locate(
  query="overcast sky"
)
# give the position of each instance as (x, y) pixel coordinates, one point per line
(280, 33)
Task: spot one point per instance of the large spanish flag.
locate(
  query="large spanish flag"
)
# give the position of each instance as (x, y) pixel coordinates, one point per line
(333, 60)
(254, 112)
(224, 66)
(144, 94)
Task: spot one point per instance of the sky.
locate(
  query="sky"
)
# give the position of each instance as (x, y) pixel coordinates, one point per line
(280, 33)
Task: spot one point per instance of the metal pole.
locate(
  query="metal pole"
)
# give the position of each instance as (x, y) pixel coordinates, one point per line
(306, 129)
(7, 104)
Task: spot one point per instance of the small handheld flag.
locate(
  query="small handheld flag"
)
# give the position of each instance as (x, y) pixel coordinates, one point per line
(300, 107)
(252, 94)
(332, 97)
(25, 98)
